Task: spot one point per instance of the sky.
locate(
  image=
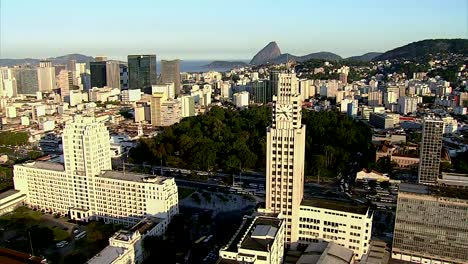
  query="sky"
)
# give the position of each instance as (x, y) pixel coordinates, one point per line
(207, 30)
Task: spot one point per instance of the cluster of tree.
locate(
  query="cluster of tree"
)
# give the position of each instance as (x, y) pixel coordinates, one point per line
(333, 141)
(13, 138)
(221, 139)
(233, 140)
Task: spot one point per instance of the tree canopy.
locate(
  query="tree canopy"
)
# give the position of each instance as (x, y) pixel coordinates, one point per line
(233, 140)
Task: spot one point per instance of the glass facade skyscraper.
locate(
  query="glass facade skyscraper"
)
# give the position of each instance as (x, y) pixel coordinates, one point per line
(141, 71)
(98, 73)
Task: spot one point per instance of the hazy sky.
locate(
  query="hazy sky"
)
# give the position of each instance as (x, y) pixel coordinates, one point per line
(222, 29)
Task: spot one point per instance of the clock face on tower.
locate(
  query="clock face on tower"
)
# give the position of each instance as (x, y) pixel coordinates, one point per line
(284, 112)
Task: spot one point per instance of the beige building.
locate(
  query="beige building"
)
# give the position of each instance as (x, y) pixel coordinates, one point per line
(171, 112)
(258, 240)
(170, 73)
(430, 229)
(285, 155)
(46, 76)
(85, 187)
(348, 225)
(157, 99)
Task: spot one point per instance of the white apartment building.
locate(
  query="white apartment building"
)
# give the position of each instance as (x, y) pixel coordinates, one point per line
(450, 125)
(285, 155)
(345, 224)
(167, 88)
(241, 100)
(170, 112)
(85, 188)
(131, 95)
(408, 104)
(46, 76)
(187, 106)
(258, 240)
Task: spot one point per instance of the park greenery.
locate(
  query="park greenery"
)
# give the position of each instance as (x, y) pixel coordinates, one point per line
(13, 138)
(233, 141)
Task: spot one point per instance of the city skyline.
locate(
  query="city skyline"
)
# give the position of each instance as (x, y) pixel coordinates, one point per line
(164, 28)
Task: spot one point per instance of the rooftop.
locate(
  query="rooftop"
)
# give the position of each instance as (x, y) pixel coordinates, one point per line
(262, 234)
(131, 176)
(9, 256)
(321, 253)
(107, 255)
(336, 205)
(146, 224)
(44, 165)
(5, 194)
(441, 191)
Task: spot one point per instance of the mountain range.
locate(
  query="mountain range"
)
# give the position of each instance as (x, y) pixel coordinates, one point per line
(271, 54)
(55, 60)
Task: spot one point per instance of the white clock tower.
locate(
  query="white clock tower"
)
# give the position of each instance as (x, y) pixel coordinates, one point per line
(285, 154)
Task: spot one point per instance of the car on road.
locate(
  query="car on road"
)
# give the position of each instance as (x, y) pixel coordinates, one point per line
(61, 244)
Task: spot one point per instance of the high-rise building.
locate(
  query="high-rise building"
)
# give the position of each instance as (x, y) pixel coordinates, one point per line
(408, 104)
(71, 65)
(85, 188)
(8, 86)
(430, 228)
(430, 150)
(65, 83)
(156, 101)
(170, 73)
(188, 105)
(46, 76)
(261, 92)
(98, 73)
(170, 112)
(374, 98)
(141, 71)
(285, 154)
(113, 74)
(241, 100)
(26, 80)
(123, 77)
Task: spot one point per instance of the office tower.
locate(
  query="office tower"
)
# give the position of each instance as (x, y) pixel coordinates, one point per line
(408, 104)
(98, 73)
(285, 154)
(96, 192)
(188, 105)
(65, 83)
(170, 73)
(430, 150)
(113, 74)
(156, 101)
(141, 71)
(26, 80)
(258, 240)
(46, 76)
(261, 92)
(430, 227)
(100, 58)
(71, 65)
(374, 98)
(123, 77)
(7, 83)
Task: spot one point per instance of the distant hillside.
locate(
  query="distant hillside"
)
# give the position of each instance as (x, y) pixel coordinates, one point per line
(365, 57)
(55, 60)
(266, 55)
(271, 53)
(423, 48)
(225, 64)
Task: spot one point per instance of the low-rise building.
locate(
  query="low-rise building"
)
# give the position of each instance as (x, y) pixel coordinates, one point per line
(344, 223)
(258, 240)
